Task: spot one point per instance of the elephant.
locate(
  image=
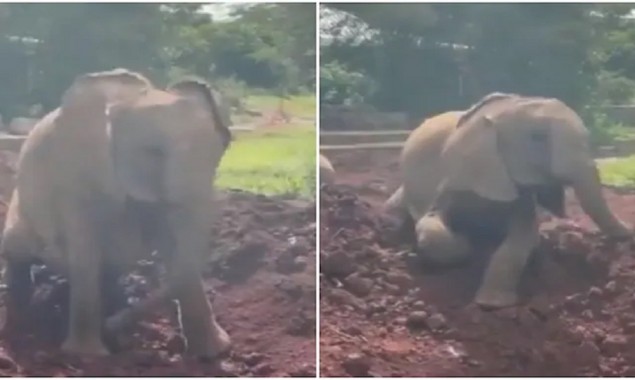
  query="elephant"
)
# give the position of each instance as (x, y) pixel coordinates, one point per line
(120, 170)
(327, 172)
(483, 171)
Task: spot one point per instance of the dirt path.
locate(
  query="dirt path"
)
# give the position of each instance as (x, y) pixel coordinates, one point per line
(261, 278)
(381, 318)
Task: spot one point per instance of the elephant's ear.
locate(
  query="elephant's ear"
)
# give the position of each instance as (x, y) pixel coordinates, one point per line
(473, 162)
(205, 95)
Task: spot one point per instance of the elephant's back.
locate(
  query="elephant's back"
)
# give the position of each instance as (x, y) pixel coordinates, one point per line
(419, 161)
(427, 140)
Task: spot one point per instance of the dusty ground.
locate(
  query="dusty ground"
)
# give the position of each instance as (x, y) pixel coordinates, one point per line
(381, 318)
(260, 276)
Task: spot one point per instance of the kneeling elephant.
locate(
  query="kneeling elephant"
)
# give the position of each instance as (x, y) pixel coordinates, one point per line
(121, 169)
(484, 171)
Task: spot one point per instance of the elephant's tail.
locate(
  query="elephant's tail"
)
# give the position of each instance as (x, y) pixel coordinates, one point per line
(395, 205)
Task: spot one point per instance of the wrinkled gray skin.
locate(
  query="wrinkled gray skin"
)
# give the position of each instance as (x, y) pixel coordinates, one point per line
(119, 170)
(485, 170)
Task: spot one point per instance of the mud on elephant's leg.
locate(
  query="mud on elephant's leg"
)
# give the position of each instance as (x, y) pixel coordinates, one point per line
(500, 283)
(114, 301)
(17, 278)
(18, 247)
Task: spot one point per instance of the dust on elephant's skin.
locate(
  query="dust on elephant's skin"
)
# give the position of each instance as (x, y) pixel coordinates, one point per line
(119, 170)
(490, 166)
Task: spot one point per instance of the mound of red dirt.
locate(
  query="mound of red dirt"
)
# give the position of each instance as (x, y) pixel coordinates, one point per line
(380, 317)
(260, 278)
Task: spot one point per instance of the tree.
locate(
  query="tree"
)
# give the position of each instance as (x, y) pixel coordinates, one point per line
(428, 58)
(44, 46)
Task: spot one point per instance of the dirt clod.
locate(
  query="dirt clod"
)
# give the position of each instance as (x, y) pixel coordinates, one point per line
(356, 365)
(253, 358)
(358, 285)
(6, 362)
(614, 344)
(417, 319)
(436, 322)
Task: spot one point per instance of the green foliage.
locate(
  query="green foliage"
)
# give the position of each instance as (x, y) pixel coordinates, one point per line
(44, 46)
(281, 161)
(433, 57)
(600, 127)
(618, 172)
(340, 85)
(613, 88)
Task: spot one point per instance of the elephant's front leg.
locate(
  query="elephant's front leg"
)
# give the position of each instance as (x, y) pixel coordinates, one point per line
(500, 283)
(205, 337)
(84, 273)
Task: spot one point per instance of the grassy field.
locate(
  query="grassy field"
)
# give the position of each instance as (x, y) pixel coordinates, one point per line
(274, 161)
(618, 172)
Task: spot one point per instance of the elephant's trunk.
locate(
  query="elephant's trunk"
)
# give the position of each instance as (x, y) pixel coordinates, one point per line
(588, 190)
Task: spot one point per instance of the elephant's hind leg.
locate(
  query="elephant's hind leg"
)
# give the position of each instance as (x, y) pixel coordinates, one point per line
(500, 283)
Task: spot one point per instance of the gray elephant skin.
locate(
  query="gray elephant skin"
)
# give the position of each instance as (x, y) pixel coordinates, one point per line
(484, 170)
(121, 169)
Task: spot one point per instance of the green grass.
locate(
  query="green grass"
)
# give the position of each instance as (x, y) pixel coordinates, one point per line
(618, 172)
(270, 162)
(298, 105)
(619, 132)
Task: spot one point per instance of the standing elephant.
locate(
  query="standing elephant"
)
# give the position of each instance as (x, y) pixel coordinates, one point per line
(120, 170)
(485, 170)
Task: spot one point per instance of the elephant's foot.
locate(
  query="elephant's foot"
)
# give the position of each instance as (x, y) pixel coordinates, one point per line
(496, 299)
(84, 347)
(215, 345)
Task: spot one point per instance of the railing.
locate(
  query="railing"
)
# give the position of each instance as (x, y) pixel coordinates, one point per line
(351, 140)
(14, 143)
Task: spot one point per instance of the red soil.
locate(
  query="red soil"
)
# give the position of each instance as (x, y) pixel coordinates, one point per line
(381, 318)
(260, 277)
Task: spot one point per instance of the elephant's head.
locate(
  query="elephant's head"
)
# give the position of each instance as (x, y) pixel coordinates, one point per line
(156, 137)
(114, 86)
(507, 144)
